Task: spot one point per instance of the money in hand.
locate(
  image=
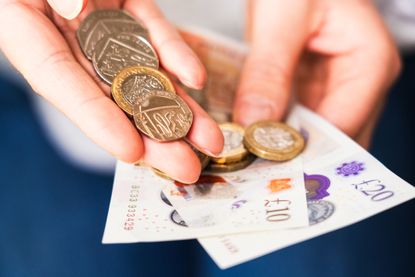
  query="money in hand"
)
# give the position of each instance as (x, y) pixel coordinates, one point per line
(123, 57)
(314, 178)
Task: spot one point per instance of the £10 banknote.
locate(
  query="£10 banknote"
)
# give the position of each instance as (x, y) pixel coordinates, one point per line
(332, 184)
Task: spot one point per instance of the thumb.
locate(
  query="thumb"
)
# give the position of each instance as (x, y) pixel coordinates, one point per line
(279, 31)
(68, 9)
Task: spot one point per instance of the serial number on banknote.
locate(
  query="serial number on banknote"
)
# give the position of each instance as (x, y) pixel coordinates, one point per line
(131, 208)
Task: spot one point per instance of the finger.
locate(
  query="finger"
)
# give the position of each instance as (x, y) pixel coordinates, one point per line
(68, 9)
(41, 54)
(266, 78)
(364, 138)
(358, 84)
(351, 101)
(204, 134)
(176, 159)
(175, 55)
(311, 79)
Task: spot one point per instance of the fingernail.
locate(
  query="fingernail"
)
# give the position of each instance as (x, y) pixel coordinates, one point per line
(209, 153)
(194, 73)
(253, 111)
(68, 9)
(192, 85)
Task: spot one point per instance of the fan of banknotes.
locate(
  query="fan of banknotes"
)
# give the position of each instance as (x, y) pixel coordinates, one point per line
(274, 185)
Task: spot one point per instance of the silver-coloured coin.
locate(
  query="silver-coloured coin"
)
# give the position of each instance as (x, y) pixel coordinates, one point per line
(114, 52)
(274, 138)
(103, 22)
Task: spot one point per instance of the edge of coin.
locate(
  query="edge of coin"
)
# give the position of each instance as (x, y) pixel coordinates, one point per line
(231, 167)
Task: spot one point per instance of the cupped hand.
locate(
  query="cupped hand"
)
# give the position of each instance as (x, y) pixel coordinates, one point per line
(336, 56)
(39, 38)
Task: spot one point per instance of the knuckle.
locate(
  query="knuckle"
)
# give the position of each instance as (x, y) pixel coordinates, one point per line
(268, 72)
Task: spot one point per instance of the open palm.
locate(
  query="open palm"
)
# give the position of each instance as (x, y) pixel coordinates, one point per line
(42, 45)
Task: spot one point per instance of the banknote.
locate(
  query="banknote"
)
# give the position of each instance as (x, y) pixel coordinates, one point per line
(344, 184)
(266, 195)
(223, 59)
(263, 196)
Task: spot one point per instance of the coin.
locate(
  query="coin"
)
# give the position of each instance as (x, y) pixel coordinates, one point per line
(273, 141)
(161, 174)
(103, 22)
(233, 149)
(162, 115)
(133, 82)
(203, 158)
(114, 52)
(230, 167)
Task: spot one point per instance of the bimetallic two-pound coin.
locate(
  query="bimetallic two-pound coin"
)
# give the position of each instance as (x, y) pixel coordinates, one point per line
(233, 149)
(273, 141)
(114, 52)
(230, 167)
(162, 116)
(137, 81)
(103, 22)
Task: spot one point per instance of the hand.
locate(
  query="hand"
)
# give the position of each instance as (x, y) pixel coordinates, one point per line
(337, 56)
(42, 45)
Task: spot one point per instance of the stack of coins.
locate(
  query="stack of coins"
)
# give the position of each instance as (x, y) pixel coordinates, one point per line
(234, 155)
(123, 57)
(268, 140)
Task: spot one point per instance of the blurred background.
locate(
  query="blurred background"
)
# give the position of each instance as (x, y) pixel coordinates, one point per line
(55, 184)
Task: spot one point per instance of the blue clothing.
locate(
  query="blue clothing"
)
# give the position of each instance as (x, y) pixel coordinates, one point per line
(52, 215)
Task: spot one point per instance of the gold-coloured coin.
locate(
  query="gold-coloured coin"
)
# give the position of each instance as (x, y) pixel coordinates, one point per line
(230, 167)
(233, 149)
(273, 141)
(161, 174)
(162, 116)
(137, 81)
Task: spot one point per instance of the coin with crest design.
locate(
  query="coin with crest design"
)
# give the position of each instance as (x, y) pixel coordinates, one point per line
(273, 141)
(162, 116)
(137, 81)
(103, 22)
(114, 52)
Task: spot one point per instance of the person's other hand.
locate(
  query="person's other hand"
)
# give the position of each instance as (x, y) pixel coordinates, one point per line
(337, 56)
(40, 41)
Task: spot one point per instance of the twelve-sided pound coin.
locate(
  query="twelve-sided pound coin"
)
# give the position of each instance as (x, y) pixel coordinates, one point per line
(137, 81)
(233, 149)
(273, 141)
